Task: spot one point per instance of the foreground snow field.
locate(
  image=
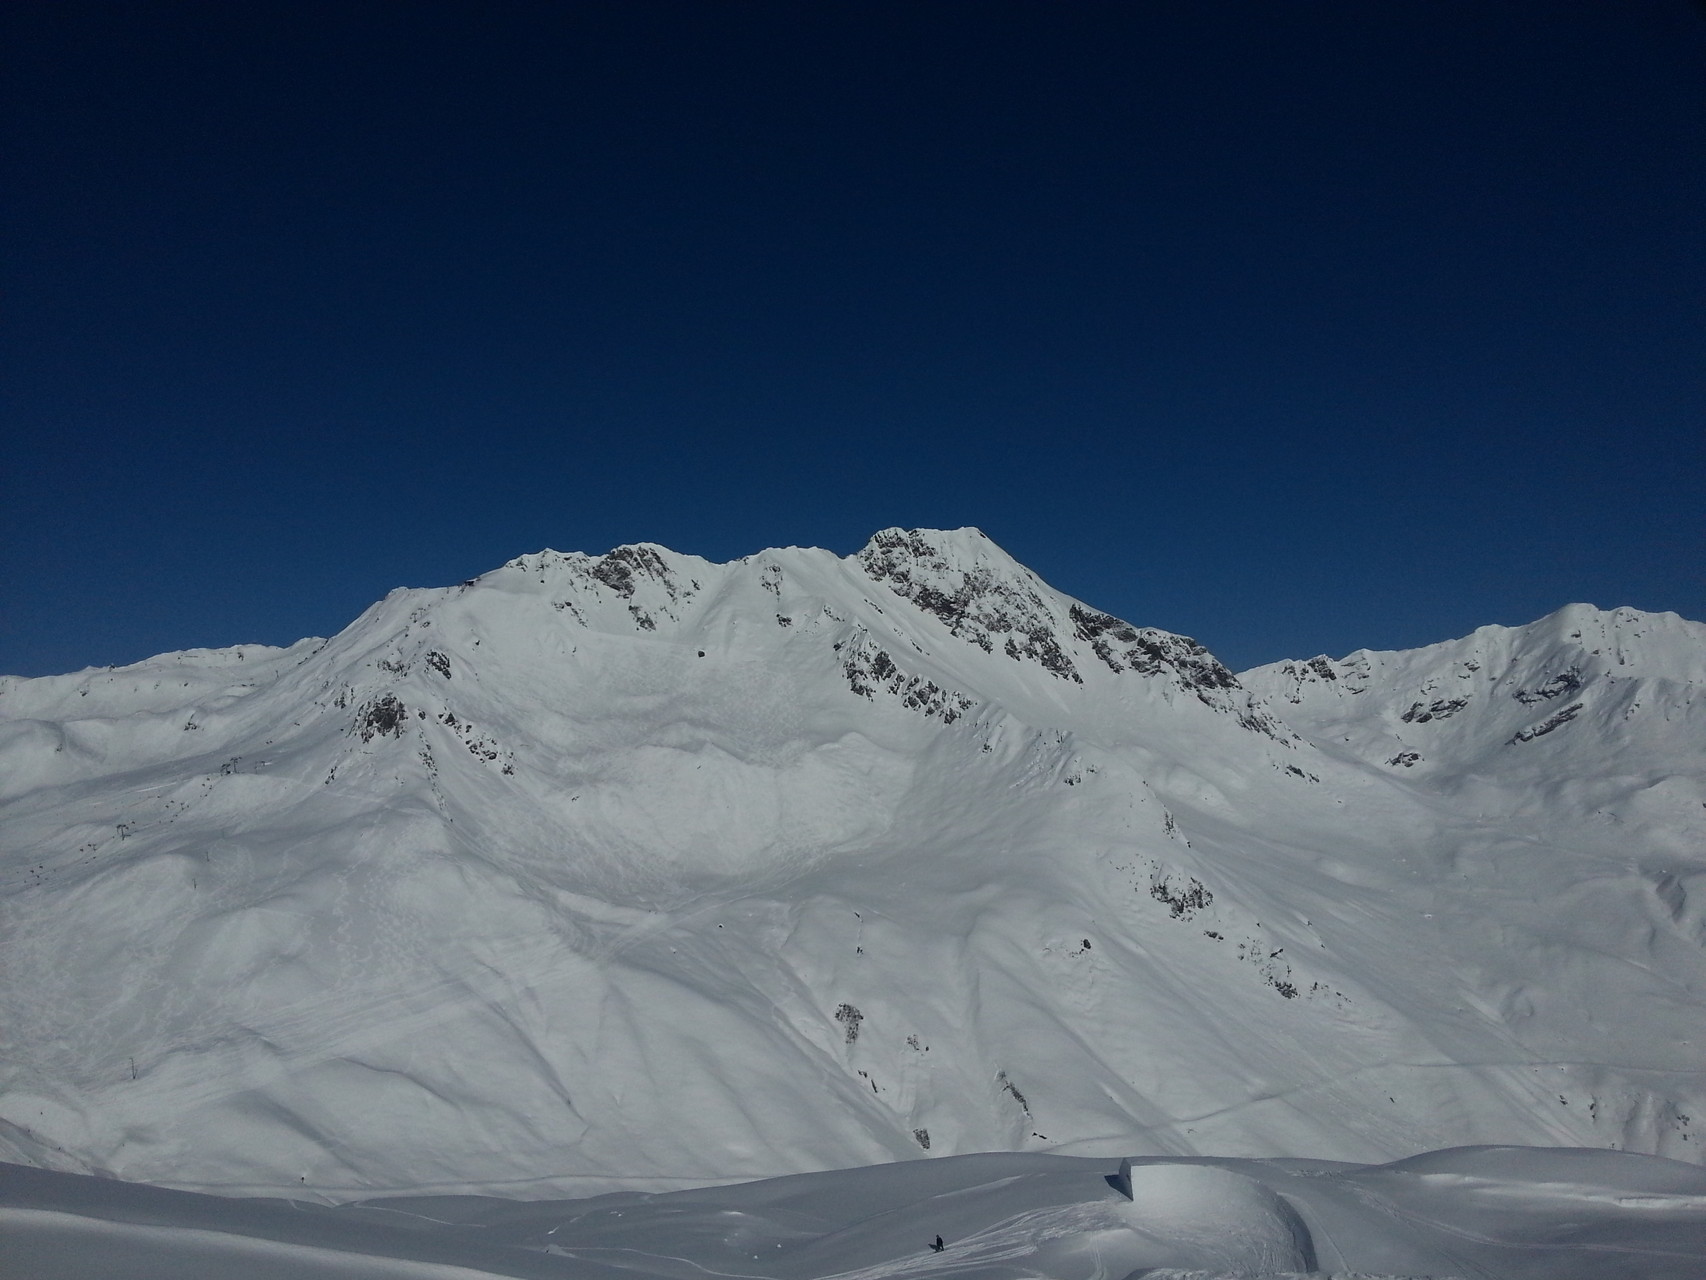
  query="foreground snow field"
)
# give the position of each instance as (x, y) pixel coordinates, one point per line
(637, 873)
(1475, 1212)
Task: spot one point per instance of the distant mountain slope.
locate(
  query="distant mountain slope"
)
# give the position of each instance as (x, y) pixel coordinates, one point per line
(640, 870)
(1561, 695)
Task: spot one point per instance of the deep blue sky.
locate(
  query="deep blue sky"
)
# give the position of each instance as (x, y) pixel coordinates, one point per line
(1296, 327)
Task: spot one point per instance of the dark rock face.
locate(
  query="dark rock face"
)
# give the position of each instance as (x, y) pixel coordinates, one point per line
(1150, 652)
(1183, 900)
(1013, 1091)
(974, 603)
(617, 569)
(1558, 686)
(1547, 725)
(1438, 710)
(380, 716)
(869, 668)
(1001, 608)
(1322, 670)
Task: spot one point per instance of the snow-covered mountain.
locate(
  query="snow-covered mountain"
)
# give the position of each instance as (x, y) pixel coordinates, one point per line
(638, 870)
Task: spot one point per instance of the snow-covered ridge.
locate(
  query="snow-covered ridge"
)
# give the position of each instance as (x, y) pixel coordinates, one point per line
(981, 594)
(638, 866)
(154, 683)
(1456, 709)
(1621, 641)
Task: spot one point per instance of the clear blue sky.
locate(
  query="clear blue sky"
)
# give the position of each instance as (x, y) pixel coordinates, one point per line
(1296, 327)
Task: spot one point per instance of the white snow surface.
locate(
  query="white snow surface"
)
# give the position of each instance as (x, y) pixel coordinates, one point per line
(1488, 1213)
(637, 872)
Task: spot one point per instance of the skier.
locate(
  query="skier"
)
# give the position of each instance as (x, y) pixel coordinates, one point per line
(938, 1246)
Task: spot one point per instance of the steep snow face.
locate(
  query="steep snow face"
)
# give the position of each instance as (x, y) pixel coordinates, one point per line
(640, 870)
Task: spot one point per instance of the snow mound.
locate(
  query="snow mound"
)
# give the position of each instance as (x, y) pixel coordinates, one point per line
(1211, 1216)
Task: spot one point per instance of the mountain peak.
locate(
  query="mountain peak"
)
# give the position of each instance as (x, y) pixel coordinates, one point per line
(940, 555)
(973, 587)
(956, 544)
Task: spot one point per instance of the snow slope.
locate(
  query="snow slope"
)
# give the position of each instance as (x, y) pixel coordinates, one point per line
(637, 871)
(1509, 1213)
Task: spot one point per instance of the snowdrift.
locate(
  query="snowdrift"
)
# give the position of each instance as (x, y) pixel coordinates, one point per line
(1504, 1213)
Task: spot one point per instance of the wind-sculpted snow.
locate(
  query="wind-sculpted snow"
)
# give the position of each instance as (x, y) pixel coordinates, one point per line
(639, 870)
(1489, 1213)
